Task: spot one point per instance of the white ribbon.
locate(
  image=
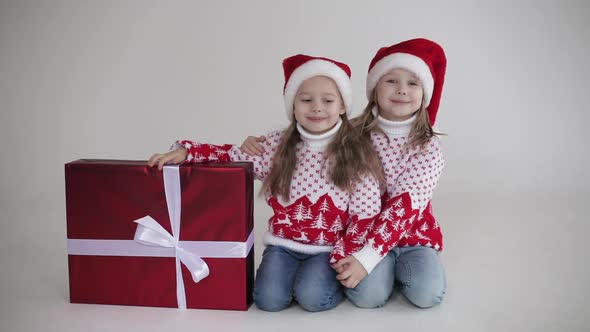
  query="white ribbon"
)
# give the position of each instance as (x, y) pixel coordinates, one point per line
(149, 232)
(152, 240)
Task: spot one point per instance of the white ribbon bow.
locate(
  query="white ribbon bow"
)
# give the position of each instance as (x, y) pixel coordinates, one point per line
(150, 232)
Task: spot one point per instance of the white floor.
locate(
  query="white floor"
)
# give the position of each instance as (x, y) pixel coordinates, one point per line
(514, 263)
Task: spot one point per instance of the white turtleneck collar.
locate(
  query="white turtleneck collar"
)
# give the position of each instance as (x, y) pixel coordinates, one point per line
(318, 141)
(394, 128)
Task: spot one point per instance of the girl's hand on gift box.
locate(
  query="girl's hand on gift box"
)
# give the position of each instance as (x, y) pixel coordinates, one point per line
(173, 157)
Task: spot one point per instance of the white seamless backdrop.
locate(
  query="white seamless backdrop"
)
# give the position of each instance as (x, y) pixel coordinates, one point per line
(124, 79)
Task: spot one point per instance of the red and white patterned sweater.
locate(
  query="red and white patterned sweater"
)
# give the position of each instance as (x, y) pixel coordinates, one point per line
(318, 214)
(412, 174)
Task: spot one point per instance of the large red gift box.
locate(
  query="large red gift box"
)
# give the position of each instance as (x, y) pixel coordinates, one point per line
(122, 248)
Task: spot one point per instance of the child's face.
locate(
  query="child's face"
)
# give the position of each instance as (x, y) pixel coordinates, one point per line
(399, 94)
(318, 104)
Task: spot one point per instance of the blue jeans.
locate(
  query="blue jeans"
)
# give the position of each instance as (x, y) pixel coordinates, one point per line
(285, 275)
(417, 271)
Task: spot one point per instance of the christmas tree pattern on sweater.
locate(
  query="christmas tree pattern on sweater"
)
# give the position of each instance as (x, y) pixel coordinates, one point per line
(406, 218)
(412, 174)
(318, 213)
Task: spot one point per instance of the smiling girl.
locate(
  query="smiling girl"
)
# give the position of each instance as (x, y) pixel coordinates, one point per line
(318, 178)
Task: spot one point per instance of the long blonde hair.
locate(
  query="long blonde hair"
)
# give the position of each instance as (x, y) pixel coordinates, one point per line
(421, 131)
(349, 156)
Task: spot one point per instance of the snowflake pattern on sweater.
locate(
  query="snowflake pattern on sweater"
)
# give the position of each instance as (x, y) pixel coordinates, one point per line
(318, 213)
(406, 219)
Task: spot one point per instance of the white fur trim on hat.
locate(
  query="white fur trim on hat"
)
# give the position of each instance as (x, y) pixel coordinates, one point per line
(318, 67)
(404, 61)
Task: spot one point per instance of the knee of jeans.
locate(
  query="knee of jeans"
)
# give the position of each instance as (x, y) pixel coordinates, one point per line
(367, 298)
(315, 301)
(269, 304)
(271, 301)
(427, 298)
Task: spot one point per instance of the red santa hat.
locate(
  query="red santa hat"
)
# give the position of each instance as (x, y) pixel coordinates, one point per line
(300, 67)
(422, 57)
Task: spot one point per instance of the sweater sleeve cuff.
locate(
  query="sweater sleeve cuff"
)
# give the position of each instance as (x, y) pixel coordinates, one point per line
(368, 257)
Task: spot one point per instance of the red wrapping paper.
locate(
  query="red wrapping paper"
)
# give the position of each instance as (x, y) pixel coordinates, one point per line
(104, 197)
